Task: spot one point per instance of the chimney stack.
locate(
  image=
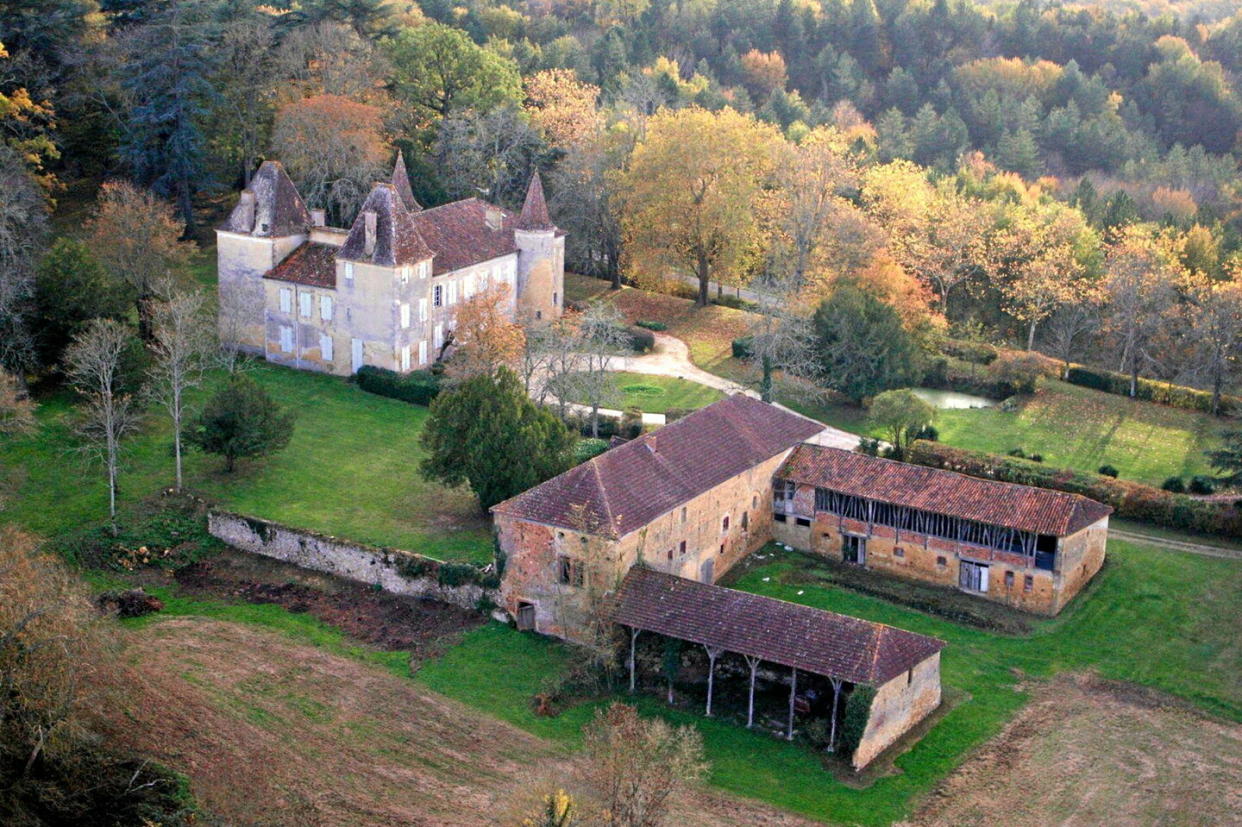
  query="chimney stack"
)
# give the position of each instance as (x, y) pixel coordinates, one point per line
(319, 218)
(245, 211)
(495, 219)
(368, 219)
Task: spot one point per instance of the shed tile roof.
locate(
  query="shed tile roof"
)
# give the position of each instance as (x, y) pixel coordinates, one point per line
(397, 239)
(1020, 507)
(277, 209)
(630, 485)
(460, 235)
(793, 635)
(312, 264)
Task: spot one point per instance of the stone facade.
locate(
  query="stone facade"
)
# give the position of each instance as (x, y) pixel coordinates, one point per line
(383, 292)
(353, 561)
(1011, 579)
(690, 541)
(899, 705)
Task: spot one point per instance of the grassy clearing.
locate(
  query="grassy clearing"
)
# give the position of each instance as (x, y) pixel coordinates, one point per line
(1151, 617)
(350, 470)
(656, 394)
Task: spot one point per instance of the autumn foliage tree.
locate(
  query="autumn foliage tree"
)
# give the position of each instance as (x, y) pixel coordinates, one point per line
(692, 194)
(334, 148)
(484, 337)
(562, 107)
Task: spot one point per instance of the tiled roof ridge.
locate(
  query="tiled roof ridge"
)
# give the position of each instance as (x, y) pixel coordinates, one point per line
(609, 520)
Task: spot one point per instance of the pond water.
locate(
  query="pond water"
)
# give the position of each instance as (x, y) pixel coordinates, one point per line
(952, 400)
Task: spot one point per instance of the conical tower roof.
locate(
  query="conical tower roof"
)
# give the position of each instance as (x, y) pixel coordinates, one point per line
(535, 210)
(401, 180)
(397, 240)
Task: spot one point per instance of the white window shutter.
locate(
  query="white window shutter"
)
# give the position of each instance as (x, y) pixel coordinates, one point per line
(325, 346)
(304, 304)
(325, 308)
(422, 352)
(439, 335)
(405, 357)
(349, 271)
(405, 315)
(422, 310)
(286, 338)
(286, 300)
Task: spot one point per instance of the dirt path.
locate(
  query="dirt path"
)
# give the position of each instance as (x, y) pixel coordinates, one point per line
(1087, 752)
(1176, 545)
(272, 732)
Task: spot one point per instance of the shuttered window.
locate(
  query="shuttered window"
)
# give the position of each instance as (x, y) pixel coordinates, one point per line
(325, 346)
(325, 308)
(286, 300)
(286, 338)
(304, 304)
(405, 315)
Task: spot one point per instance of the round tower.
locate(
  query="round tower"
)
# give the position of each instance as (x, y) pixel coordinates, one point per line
(540, 259)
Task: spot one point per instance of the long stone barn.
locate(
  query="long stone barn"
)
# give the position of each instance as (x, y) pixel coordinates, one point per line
(902, 667)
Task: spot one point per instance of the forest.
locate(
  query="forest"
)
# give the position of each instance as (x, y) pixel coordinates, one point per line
(1043, 175)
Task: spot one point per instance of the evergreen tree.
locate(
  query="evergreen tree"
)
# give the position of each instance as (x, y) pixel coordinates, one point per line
(861, 345)
(488, 434)
(1018, 153)
(71, 288)
(165, 77)
(241, 421)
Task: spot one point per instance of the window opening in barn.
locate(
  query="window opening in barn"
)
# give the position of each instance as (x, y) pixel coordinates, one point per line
(854, 549)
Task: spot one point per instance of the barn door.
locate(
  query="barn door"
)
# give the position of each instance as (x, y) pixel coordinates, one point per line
(973, 577)
(706, 570)
(526, 616)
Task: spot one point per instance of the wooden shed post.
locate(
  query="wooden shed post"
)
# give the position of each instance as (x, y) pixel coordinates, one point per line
(753, 663)
(633, 660)
(793, 689)
(836, 696)
(712, 654)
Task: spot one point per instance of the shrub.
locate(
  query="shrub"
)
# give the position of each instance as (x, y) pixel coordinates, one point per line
(854, 721)
(979, 353)
(1036, 457)
(589, 448)
(1018, 372)
(929, 433)
(658, 326)
(1108, 471)
(736, 302)
(414, 567)
(674, 414)
(1173, 484)
(743, 347)
(869, 446)
(457, 574)
(1202, 484)
(1017, 452)
(1150, 390)
(418, 387)
(641, 340)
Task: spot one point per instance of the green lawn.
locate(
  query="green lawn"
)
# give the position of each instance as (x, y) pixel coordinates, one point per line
(656, 394)
(350, 470)
(1153, 617)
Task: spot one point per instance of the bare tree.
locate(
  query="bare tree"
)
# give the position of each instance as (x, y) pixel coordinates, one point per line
(181, 344)
(782, 340)
(245, 85)
(601, 338)
(23, 226)
(1140, 272)
(233, 315)
(1216, 331)
(95, 365)
(637, 766)
(1068, 328)
(551, 358)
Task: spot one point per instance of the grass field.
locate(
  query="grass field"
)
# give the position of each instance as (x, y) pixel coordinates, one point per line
(1151, 617)
(1070, 426)
(350, 470)
(656, 394)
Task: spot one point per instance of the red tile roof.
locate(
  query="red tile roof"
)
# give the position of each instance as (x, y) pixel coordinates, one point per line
(277, 211)
(627, 487)
(312, 264)
(1020, 507)
(790, 634)
(397, 240)
(535, 209)
(460, 235)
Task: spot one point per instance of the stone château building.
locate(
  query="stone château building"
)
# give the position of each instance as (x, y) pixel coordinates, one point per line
(384, 291)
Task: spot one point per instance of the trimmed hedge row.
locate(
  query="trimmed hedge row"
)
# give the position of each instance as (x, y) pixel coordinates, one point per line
(418, 387)
(1132, 500)
(1150, 390)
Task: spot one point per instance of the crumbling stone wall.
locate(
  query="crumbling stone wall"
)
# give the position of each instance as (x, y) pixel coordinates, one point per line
(393, 570)
(898, 705)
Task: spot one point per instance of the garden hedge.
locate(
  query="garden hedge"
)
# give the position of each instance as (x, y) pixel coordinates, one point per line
(418, 387)
(1150, 390)
(1131, 500)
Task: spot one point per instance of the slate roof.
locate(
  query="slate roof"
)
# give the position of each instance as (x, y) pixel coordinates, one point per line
(535, 209)
(278, 209)
(311, 264)
(397, 239)
(460, 236)
(790, 634)
(1021, 507)
(401, 180)
(630, 485)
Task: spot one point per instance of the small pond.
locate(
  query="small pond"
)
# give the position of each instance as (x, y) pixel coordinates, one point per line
(952, 400)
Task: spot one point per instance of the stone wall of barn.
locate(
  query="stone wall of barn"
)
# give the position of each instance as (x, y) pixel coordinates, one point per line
(393, 570)
(898, 705)
(718, 529)
(935, 560)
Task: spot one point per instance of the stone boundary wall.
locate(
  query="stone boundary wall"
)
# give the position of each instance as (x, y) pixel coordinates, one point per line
(393, 570)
